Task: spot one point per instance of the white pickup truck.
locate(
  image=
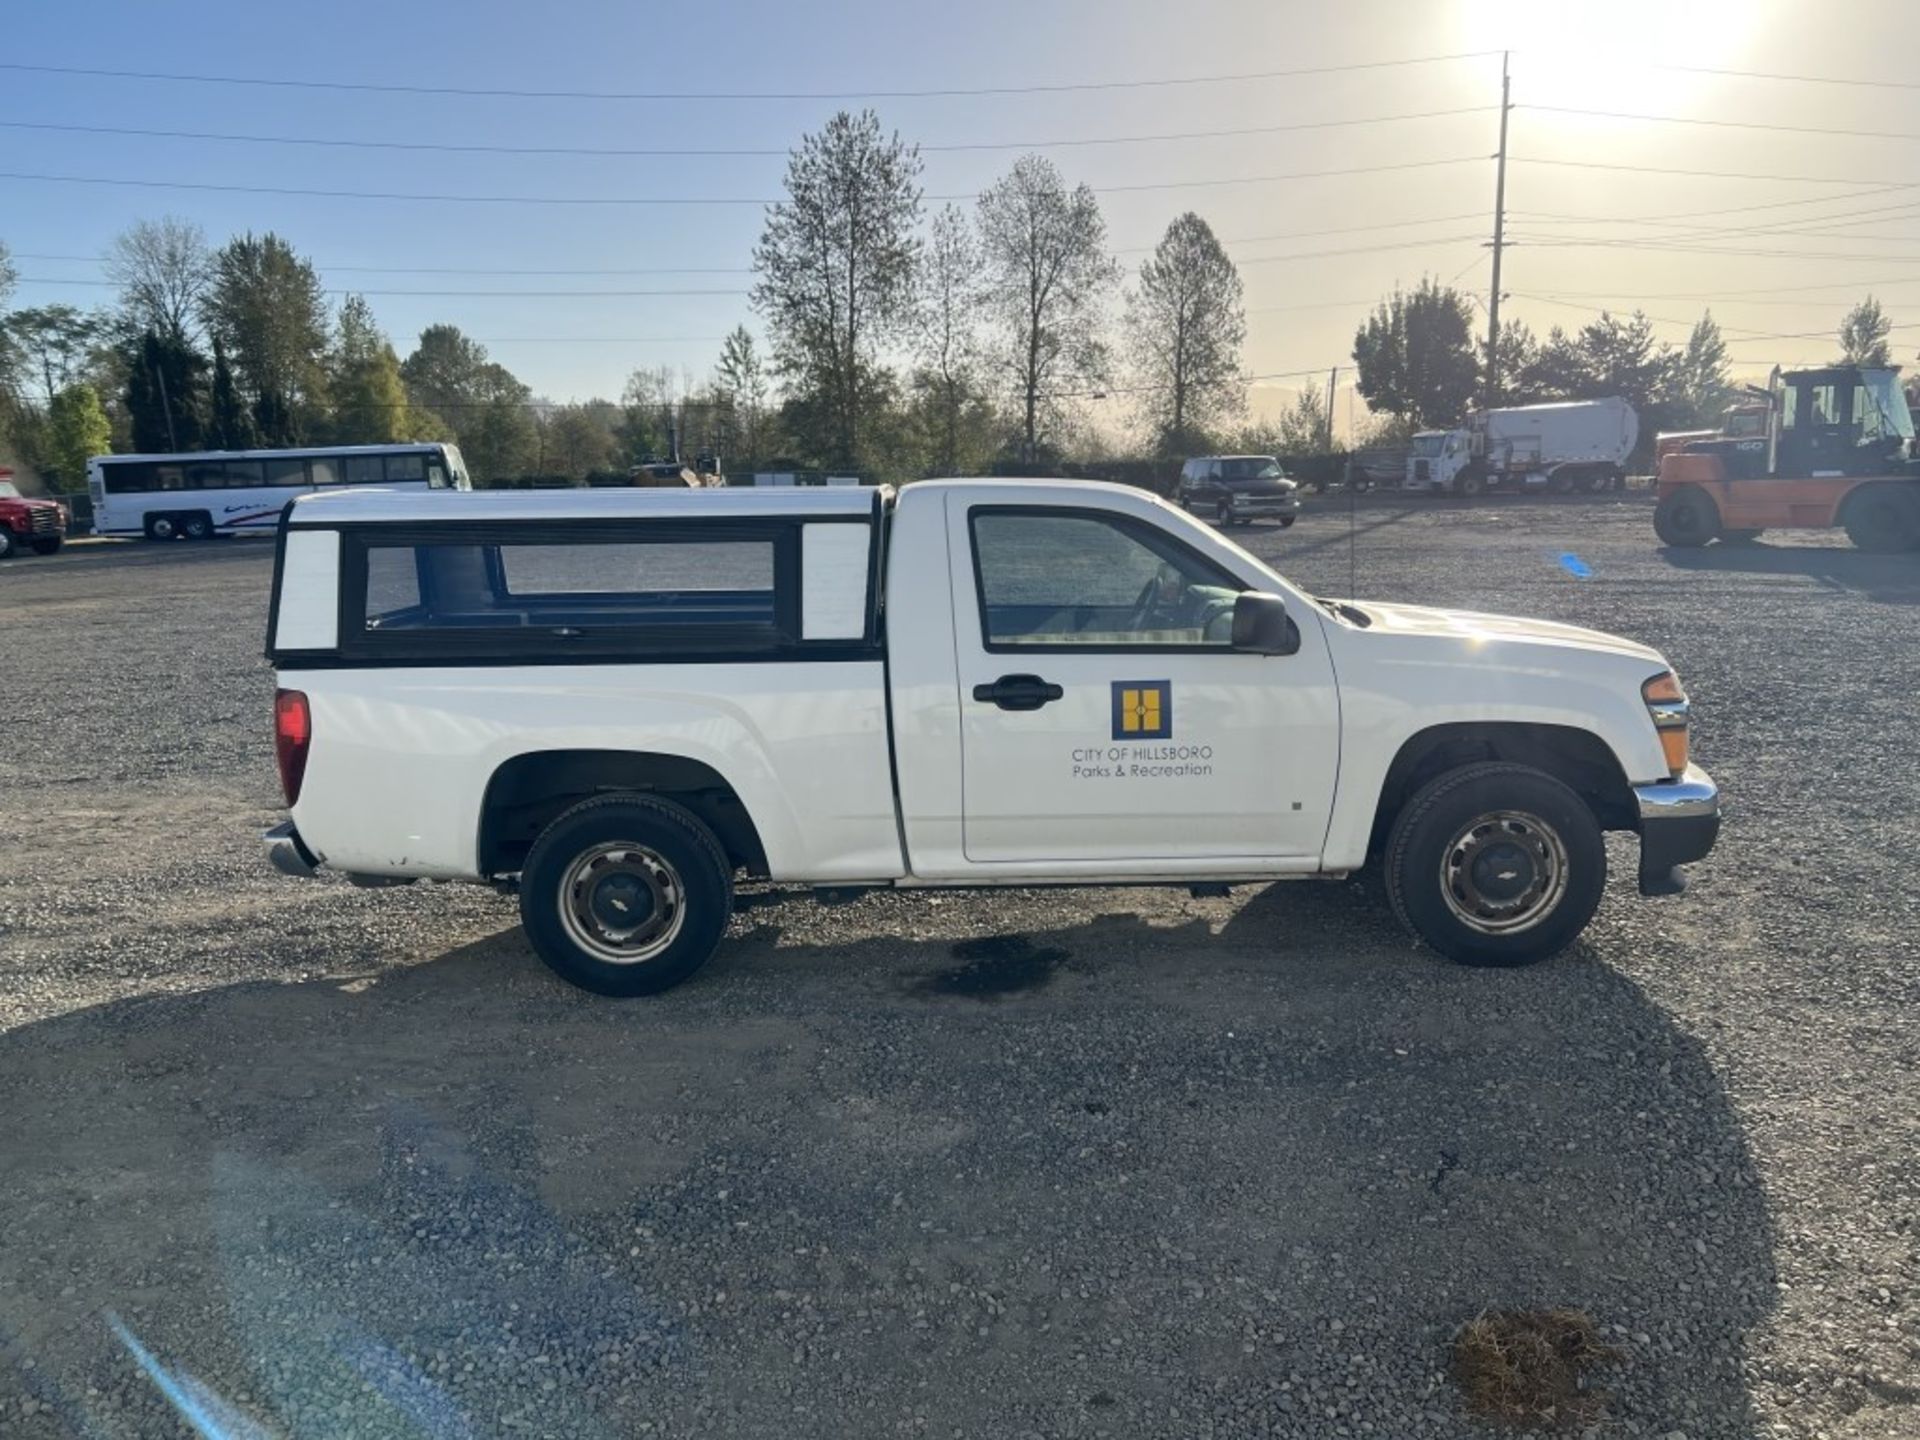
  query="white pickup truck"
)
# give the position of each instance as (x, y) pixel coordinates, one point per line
(625, 698)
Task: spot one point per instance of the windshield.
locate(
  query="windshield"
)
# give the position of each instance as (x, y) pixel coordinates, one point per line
(9, 491)
(1880, 407)
(1428, 444)
(1254, 467)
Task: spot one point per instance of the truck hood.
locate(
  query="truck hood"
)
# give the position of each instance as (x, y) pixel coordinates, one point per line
(1470, 625)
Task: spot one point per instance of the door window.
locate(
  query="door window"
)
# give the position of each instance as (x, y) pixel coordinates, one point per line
(1826, 404)
(1051, 579)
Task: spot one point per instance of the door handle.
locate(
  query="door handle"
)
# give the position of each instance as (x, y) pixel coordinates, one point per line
(1018, 692)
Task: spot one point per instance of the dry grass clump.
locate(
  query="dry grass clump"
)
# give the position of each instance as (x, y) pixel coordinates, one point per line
(1529, 1367)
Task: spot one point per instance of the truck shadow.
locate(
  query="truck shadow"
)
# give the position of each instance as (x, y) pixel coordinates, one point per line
(871, 1165)
(1889, 579)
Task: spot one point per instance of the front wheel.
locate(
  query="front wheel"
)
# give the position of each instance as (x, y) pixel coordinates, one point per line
(1223, 514)
(1687, 519)
(1496, 864)
(49, 546)
(1286, 521)
(7, 542)
(1883, 519)
(626, 895)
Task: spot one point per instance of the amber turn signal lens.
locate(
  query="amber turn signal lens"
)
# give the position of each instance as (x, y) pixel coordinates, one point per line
(1664, 689)
(1673, 743)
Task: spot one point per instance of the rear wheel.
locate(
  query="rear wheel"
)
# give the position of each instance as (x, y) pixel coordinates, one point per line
(1687, 518)
(47, 546)
(1222, 514)
(1883, 518)
(626, 895)
(163, 527)
(1496, 864)
(196, 526)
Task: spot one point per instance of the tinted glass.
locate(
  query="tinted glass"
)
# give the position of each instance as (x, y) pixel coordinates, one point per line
(404, 469)
(206, 475)
(364, 470)
(128, 479)
(1052, 579)
(586, 587)
(286, 472)
(244, 474)
(325, 469)
(1258, 468)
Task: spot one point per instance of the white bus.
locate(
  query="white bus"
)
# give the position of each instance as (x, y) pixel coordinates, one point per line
(234, 492)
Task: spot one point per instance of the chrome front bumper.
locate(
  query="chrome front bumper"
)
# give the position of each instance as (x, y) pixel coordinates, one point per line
(1678, 823)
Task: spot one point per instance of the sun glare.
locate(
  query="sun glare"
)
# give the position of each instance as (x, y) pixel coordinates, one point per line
(1607, 54)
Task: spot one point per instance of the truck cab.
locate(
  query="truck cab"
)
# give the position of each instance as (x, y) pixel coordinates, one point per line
(617, 701)
(1436, 458)
(30, 523)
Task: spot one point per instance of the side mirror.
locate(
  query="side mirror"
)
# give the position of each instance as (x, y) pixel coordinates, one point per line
(1262, 626)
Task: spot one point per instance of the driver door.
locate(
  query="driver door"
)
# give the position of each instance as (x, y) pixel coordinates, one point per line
(1107, 725)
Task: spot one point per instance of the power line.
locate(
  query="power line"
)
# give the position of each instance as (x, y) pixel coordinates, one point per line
(678, 200)
(1718, 174)
(1554, 242)
(495, 93)
(469, 294)
(1728, 124)
(1796, 79)
(1764, 297)
(619, 152)
(1359, 249)
(746, 270)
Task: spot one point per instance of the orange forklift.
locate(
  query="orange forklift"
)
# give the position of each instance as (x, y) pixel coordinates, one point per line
(1838, 449)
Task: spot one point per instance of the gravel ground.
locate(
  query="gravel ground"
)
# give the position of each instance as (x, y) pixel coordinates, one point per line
(1114, 1163)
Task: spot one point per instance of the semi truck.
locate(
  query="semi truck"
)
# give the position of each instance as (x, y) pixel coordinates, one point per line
(1575, 444)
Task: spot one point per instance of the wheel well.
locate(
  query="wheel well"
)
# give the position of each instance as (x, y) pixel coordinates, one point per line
(528, 792)
(1579, 759)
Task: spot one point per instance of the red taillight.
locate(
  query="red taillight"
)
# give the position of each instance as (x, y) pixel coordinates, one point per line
(292, 730)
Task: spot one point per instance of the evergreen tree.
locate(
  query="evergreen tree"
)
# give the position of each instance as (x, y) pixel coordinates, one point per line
(368, 395)
(230, 425)
(166, 394)
(1416, 355)
(1863, 335)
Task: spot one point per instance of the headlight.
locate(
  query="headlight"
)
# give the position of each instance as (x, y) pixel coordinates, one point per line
(1667, 704)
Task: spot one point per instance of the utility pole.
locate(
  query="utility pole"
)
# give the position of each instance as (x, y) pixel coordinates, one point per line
(1499, 241)
(1332, 375)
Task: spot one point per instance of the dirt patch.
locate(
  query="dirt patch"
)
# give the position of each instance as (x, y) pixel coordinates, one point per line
(1529, 1367)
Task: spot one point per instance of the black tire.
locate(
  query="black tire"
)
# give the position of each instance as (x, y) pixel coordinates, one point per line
(1286, 521)
(50, 546)
(1472, 482)
(649, 850)
(1483, 825)
(1595, 481)
(1222, 514)
(163, 527)
(1687, 519)
(7, 542)
(1882, 519)
(197, 525)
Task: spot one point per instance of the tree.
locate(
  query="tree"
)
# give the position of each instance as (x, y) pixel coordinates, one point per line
(740, 380)
(229, 422)
(166, 394)
(163, 268)
(369, 397)
(1863, 335)
(1306, 428)
(1046, 269)
(1608, 356)
(1186, 324)
(266, 306)
(1415, 355)
(579, 439)
(78, 429)
(1518, 353)
(449, 377)
(948, 404)
(834, 269)
(1701, 383)
(9, 276)
(53, 342)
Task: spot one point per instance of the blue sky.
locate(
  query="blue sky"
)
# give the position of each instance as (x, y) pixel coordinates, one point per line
(1306, 291)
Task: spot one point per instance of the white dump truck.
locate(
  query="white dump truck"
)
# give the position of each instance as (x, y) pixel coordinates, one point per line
(1578, 444)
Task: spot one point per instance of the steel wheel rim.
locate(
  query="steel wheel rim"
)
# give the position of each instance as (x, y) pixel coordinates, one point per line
(1504, 872)
(615, 881)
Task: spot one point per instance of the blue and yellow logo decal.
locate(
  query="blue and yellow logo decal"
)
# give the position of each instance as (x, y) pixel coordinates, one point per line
(1143, 709)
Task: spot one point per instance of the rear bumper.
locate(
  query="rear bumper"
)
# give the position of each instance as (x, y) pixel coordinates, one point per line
(1679, 821)
(288, 851)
